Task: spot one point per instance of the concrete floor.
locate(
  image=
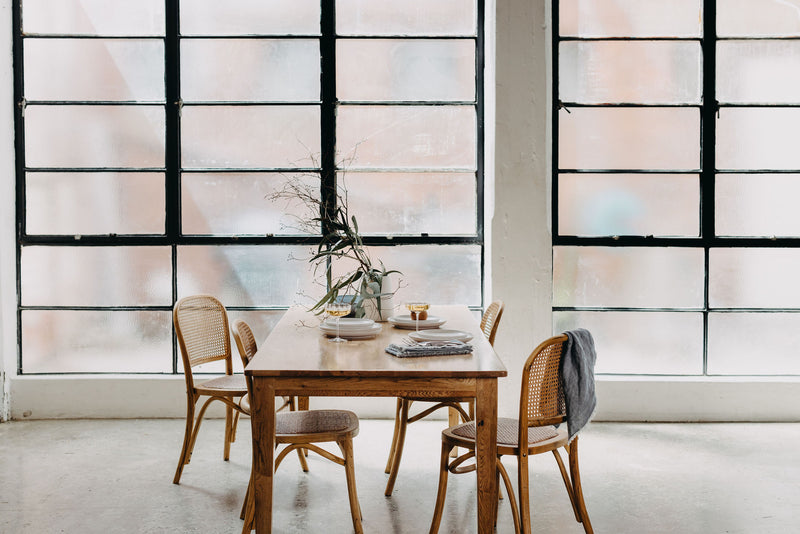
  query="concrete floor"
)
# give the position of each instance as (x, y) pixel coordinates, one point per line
(116, 476)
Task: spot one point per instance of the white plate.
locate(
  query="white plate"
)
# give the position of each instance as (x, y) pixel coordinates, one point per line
(440, 334)
(362, 333)
(349, 322)
(405, 321)
(350, 327)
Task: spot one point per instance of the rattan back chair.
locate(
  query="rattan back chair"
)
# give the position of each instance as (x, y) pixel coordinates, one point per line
(301, 431)
(541, 407)
(490, 320)
(201, 324)
(247, 346)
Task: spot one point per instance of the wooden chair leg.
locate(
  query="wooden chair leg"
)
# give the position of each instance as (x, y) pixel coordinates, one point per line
(393, 448)
(250, 508)
(453, 418)
(501, 470)
(301, 454)
(524, 494)
(441, 492)
(398, 452)
(575, 474)
(228, 432)
(567, 483)
(235, 426)
(187, 436)
(303, 404)
(349, 468)
(246, 500)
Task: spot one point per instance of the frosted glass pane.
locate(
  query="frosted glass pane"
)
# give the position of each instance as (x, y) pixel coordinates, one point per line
(758, 71)
(754, 278)
(401, 203)
(629, 204)
(250, 17)
(67, 341)
(398, 70)
(631, 18)
(758, 18)
(94, 203)
(96, 276)
(410, 17)
(94, 17)
(654, 72)
(249, 136)
(753, 343)
(414, 137)
(247, 275)
(439, 274)
(94, 136)
(673, 341)
(628, 277)
(761, 138)
(233, 203)
(757, 205)
(94, 69)
(250, 70)
(629, 138)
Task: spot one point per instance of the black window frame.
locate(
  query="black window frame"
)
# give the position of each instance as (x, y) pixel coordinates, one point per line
(172, 236)
(707, 240)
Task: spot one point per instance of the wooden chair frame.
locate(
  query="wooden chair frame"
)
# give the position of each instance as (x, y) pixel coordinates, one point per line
(541, 407)
(247, 347)
(490, 320)
(201, 325)
(304, 441)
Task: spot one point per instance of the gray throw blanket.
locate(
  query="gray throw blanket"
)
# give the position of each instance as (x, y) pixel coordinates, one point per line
(577, 376)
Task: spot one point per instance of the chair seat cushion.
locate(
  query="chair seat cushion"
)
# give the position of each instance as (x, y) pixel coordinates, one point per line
(507, 432)
(315, 422)
(236, 385)
(310, 421)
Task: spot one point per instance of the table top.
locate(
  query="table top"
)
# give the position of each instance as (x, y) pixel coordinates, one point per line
(296, 347)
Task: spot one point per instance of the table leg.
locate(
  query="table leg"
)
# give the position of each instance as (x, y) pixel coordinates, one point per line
(262, 421)
(486, 452)
(453, 418)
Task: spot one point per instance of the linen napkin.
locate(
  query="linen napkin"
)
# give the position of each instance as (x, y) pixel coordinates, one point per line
(428, 349)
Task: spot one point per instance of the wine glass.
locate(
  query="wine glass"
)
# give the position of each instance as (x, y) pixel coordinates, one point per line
(415, 308)
(337, 309)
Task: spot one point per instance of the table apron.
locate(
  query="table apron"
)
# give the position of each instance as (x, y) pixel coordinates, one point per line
(370, 386)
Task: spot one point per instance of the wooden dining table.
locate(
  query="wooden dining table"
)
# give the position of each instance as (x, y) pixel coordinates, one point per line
(297, 359)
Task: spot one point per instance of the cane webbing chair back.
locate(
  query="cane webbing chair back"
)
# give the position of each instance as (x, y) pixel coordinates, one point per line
(247, 347)
(490, 320)
(542, 395)
(202, 327)
(245, 341)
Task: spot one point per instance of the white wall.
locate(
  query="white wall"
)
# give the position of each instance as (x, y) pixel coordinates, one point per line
(520, 267)
(8, 331)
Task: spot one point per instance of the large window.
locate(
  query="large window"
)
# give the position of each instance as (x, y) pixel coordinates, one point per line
(675, 185)
(151, 133)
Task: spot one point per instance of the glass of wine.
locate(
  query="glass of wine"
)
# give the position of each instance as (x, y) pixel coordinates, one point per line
(337, 309)
(416, 308)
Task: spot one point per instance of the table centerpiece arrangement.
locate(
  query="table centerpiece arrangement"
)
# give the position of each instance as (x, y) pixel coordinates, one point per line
(368, 286)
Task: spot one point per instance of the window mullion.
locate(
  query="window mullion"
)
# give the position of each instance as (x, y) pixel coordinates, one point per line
(328, 106)
(708, 134)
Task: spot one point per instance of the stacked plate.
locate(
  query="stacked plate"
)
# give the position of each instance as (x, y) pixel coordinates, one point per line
(350, 328)
(406, 322)
(440, 334)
